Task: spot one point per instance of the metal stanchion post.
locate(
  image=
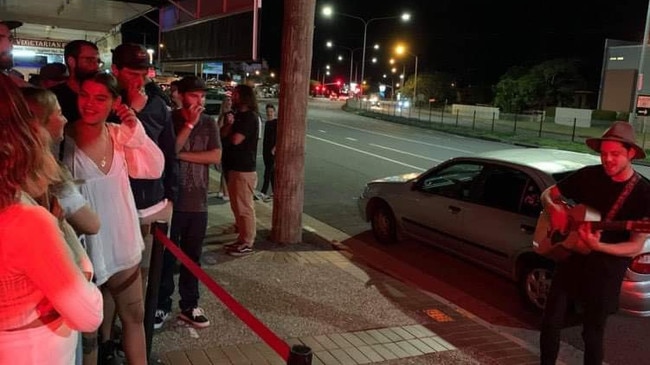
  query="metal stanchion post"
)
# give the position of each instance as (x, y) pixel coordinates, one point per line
(153, 283)
(300, 355)
(514, 131)
(457, 112)
(474, 120)
(493, 115)
(573, 134)
(541, 120)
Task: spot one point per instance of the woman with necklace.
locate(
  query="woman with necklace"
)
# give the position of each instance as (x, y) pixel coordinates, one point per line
(104, 155)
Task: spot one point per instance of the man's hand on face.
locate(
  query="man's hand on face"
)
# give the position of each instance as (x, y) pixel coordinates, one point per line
(137, 97)
(193, 113)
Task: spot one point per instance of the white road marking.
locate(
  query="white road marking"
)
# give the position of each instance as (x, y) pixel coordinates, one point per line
(366, 153)
(406, 153)
(351, 139)
(322, 131)
(399, 138)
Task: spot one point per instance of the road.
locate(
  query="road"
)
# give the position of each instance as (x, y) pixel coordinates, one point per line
(344, 151)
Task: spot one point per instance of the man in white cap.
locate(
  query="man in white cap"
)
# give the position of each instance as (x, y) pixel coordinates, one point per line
(6, 46)
(591, 276)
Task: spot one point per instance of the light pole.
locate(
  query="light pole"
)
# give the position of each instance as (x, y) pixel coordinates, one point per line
(328, 11)
(402, 50)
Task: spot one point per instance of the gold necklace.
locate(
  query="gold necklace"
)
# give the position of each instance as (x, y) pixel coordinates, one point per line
(102, 163)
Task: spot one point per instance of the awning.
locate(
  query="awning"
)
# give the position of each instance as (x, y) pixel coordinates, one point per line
(86, 15)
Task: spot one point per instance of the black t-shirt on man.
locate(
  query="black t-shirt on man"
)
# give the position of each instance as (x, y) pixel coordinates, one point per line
(596, 277)
(242, 157)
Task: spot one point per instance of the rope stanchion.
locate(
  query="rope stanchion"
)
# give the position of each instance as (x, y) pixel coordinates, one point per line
(153, 283)
(271, 339)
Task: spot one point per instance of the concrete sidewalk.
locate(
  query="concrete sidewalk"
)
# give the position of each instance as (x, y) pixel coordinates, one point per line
(318, 294)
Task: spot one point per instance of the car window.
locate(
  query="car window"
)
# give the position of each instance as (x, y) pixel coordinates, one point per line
(452, 181)
(508, 189)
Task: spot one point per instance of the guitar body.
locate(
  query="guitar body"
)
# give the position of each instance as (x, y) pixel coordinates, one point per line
(553, 243)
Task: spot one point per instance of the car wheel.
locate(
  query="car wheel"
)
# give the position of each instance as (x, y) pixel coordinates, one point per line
(383, 224)
(535, 284)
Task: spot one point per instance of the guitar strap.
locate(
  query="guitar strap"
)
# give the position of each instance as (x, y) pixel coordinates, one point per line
(621, 198)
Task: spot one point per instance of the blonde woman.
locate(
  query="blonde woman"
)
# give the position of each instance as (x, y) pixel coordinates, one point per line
(64, 199)
(104, 155)
(44, 298)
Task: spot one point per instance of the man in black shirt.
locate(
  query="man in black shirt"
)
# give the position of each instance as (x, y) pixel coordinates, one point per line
(239, 137)
(268, 149)
(593, 273)
(82, 59)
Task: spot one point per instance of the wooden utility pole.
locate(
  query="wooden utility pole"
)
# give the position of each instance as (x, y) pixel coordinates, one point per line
(289, 184)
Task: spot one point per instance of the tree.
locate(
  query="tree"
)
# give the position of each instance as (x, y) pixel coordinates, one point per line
(289, 188)
(550, 83)
(435, 85)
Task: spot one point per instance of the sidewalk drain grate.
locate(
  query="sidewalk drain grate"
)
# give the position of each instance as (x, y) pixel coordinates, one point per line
(438, 315)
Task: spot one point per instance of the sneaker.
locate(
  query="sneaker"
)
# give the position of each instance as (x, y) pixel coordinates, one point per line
(220, 195)
(241, 250)
(160, 318)
(195, 316)
(106, 354)
(231, 246)
(226, 198)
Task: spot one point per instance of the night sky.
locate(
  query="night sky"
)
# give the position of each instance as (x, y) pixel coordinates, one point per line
(474, 40)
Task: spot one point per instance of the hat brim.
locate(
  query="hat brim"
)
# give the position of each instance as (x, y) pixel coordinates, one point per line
(594, 144)
(11, 24)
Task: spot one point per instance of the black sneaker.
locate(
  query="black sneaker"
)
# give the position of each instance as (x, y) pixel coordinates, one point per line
(195, 316)
(241, 250)
(160, 318)
(106, 354)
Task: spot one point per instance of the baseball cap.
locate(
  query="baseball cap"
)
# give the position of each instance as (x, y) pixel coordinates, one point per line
(54, 71)
(131, 55)
(11, 24)
(191, 83)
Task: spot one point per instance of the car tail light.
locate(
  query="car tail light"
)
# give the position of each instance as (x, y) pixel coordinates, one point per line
(641, 264)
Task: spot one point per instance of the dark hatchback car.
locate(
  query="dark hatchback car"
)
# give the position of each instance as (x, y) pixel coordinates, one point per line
(484, 208)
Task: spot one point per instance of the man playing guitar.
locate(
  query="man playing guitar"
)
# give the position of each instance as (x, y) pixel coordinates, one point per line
(592, 275)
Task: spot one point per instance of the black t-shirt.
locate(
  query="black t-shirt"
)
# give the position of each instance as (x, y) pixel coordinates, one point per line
(597, 277)
(242, 157)
(68, 101)
(270, 131)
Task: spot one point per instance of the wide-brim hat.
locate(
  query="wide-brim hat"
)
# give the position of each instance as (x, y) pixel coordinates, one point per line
(619, 131)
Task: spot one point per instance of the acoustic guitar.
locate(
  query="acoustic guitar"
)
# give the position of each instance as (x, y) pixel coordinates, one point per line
(552, 243)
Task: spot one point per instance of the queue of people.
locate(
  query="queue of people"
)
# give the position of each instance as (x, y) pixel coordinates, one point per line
(87, 165)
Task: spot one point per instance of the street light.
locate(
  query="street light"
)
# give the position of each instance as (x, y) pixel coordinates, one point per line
(328, 11)
(400, 49)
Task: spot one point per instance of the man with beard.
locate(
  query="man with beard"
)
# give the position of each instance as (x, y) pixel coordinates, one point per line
(591, 276)
(82, 59)
(6, 45)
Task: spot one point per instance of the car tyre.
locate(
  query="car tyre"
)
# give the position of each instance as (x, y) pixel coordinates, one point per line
(384, 226)
(535, 283)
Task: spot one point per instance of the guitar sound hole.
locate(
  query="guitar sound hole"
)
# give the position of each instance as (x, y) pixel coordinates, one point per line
(557, 237)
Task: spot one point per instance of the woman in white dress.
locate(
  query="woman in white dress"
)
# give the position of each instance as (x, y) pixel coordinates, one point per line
(104, 155)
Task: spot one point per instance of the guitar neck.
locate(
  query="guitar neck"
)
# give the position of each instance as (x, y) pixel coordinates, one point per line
(606, 226)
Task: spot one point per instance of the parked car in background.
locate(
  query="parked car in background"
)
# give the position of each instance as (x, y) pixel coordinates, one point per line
(484, 208)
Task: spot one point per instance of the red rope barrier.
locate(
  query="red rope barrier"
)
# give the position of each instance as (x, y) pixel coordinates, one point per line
(271, 339)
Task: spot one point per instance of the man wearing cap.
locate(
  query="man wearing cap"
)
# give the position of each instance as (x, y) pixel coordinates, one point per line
(198, 146)
(154, 199)
(591, 276)
(53, 74)
(82, 59)
(6, 46)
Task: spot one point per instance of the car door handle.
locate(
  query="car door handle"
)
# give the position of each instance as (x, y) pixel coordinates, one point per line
(453, 210)
(527, 228)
